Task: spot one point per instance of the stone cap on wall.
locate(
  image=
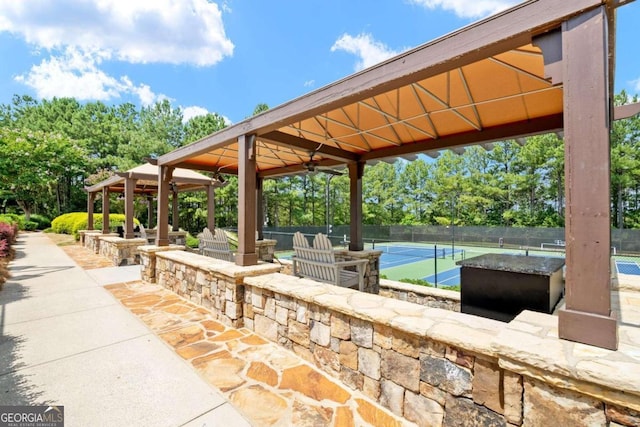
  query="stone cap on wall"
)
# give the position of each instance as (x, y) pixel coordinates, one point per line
(420, 290)
(226, 268)
(358, 254)
(529, 345)
(120, 240)
(154, 249)
(467, 332)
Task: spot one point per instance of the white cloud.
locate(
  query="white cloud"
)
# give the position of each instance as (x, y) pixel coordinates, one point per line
(141, 31)
(76, 74)
(190, 112)
(309, 83)
(635, 84)
(467, 8)
(365, 47)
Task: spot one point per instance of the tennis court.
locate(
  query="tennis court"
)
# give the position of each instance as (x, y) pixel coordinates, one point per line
(628, 267)
(415, 261)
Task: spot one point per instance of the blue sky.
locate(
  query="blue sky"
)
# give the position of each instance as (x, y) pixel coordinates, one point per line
(227, 56)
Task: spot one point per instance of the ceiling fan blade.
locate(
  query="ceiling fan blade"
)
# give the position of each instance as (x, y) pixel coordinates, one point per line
(331, 172)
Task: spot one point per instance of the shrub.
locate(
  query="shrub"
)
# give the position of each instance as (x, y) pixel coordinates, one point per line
(42, 222)
(71, 223)
(429, 285)
(8, 232)
(13, 219)
(192, 241)
(30, 226)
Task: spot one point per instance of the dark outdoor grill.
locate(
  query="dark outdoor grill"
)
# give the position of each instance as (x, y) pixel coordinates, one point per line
(500, 286)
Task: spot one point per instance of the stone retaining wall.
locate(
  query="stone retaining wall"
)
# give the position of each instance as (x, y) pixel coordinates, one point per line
(265, 249)
(120, 251)
(91, 239)
(215, 284)
(148, 259)
(423, 295)
(432, 366)
(438, 367)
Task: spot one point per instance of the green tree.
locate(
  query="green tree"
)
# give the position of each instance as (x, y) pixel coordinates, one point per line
(32, 163)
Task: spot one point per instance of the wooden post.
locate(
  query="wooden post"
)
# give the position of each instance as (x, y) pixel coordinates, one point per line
(356, 170)
(149, 211)
(105, 210)
(164, 182)
(129, 186)
(259, 208)
(211, 207)
(91, 200)
(175, 219)
(247, 201)
(587, 317)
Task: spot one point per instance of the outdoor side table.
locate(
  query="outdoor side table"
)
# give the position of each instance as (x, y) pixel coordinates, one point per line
(500, 286)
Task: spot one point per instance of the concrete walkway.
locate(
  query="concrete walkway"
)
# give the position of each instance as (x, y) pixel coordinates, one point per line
(65, 340)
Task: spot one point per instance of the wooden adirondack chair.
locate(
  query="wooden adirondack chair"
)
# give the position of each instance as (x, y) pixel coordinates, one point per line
(216, 245)
(319, 263)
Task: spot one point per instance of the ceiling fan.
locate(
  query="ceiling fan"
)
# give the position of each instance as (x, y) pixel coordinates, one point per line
(313, 166)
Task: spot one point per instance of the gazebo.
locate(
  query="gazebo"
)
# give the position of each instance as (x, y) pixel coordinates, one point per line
(541, 66)
(143, 180)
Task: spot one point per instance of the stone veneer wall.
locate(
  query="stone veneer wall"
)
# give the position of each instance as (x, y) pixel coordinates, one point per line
(91, 239)
(437, 367)
(121, 251)
(265, 249)
(423, 295)
(372, 271)
(432, 366)
(148, 259)
(215, 284)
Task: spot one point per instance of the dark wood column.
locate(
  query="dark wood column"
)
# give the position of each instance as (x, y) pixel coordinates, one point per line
(259, 207)
(356, 170)
(175, 218)
(129, 186)
(211, 207)
(165, 174)
(105, 210)
(91, 200)
(247, 201)
(150, 211)
(587, 317)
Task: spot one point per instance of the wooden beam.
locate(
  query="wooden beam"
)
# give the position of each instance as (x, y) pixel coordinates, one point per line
(287, 140)
(626, 111)
(498, 133)
(297, 169)
(496, 34)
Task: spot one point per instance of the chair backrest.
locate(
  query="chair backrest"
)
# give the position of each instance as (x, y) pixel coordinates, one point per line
(216, 245)
(325, 254)
(321, 254)
(143, 232)
(301, 250)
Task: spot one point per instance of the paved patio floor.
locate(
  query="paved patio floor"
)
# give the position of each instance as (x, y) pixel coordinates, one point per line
(227, 376)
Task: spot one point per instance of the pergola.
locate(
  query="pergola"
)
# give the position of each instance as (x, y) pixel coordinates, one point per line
(541, 66)
(143, 180)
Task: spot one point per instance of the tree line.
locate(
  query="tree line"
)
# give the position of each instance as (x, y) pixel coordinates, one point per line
(51, 149)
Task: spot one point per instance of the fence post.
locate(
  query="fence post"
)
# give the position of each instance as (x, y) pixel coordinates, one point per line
(435, 262)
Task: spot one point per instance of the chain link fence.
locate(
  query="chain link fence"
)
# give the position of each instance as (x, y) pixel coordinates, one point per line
(623, 242)
(532, 241)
